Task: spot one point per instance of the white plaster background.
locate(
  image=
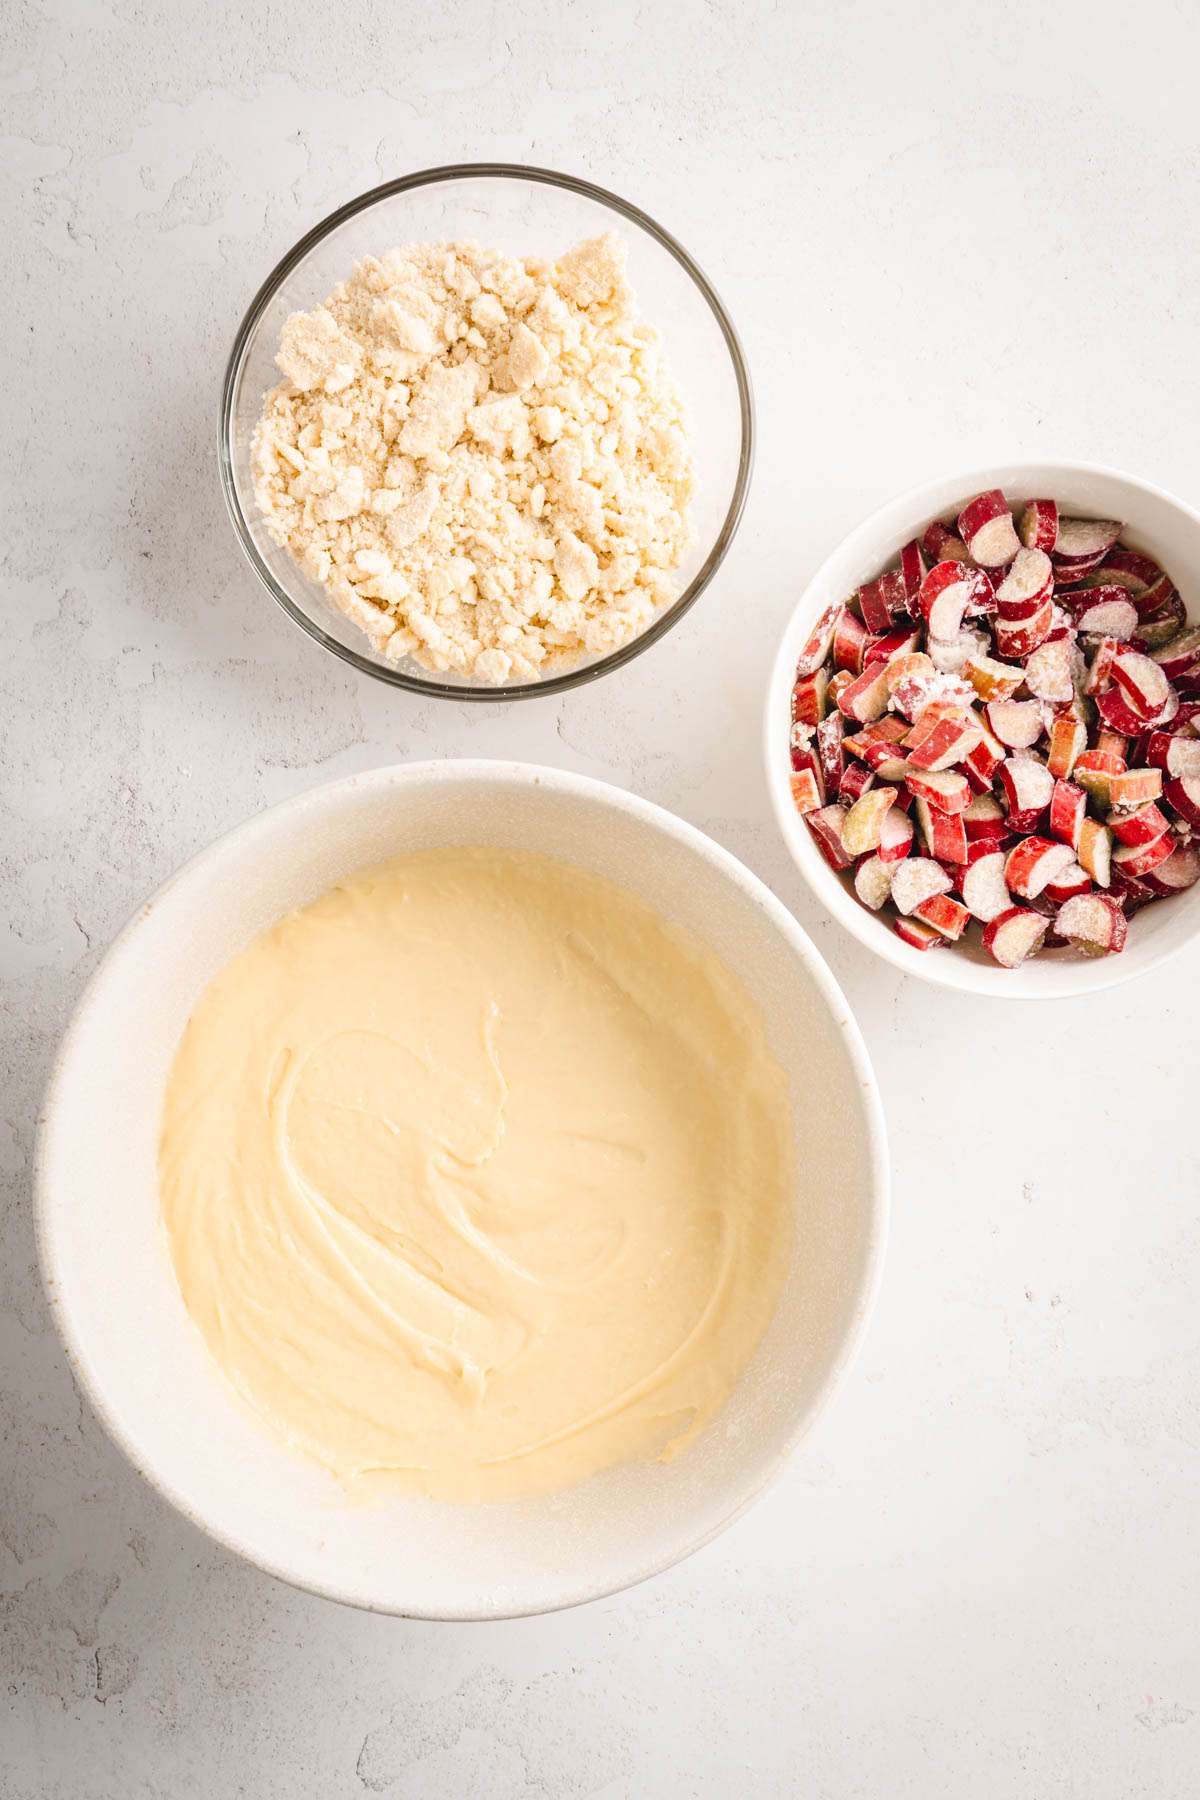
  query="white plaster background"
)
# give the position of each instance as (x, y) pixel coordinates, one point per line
(944, 233)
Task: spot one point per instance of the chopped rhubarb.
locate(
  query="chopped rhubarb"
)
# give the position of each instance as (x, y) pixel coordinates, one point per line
(1038, 528)
(1004, 727)
(915, 880)
(1093, 923)
(1014, 935)
(873, 881)
(985, 526)
(863, 823)
(826, 826)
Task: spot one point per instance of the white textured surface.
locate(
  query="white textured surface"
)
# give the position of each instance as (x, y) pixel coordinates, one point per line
(945, 235)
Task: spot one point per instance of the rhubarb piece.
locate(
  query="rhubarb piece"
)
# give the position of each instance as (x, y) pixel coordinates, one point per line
(1184, 795)
(865, 697)
(1019, 638)
(993, 680)
(1068, 738)
(912, 571)
(915, 880)
(1113, 743)
(948, 592)
(1180, 870)
(826, 826)
(1130, 570)
(830, 733)
(1026, 586)
(1039, 525)
(981, 763)
(1094, 771)
(986, 528)
(1139, 859)
(817, 648)
(1117, 713)
(1099, 677)
(1180, 655)
(806, 762)
(948, 742)
(1134, 787)
(895, 836)
(944, 789)
(1139, 827)
(850, 640)
(1174, 754)
(873, 882)
(892, 645)
(916, 934)
(1104, 610)
(880, 599)
(943, 833)
(1154, 597)
(1074, 570)
(978, 847)
(984, 820)
(1143, 682)
(1068, 810)
(806, 791)
(876, 746)
(1016, 723)
(1160, 625)
(1014, 935)
(885, 760)
(947, 612)
(1027, 786)
(862, 825)
(1048, 671)
(1079, 539)
(907, 665)
(838, 684)
(1094, 851)
(809, 698)
(1093, 923)
(857, 777)
(939, 544)
(1064, 887)
(944, 914)
(1033, 862)
(984, 888)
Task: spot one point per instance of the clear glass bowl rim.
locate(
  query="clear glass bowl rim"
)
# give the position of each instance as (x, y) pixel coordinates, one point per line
(556, 684)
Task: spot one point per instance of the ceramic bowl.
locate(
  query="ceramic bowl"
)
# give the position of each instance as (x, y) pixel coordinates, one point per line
(1155, 522)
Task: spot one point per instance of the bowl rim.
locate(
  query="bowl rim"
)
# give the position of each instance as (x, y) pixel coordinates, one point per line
(876, 1180)
(957, 974)
(660, 625)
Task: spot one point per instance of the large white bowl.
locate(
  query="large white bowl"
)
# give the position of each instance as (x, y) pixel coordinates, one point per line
(1157, 523)
(142, 1362)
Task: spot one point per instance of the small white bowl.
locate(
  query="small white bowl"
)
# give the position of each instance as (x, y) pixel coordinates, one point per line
(142, 1362)
(1155, 522)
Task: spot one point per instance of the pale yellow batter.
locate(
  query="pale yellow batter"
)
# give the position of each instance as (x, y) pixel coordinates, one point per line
(477, 1177)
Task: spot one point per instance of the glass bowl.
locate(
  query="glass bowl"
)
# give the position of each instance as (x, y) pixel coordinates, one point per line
(523, 212)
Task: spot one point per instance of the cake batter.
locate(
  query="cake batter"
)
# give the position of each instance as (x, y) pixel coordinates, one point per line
(477, 1177)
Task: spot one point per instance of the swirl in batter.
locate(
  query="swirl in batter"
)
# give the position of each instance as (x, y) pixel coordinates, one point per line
(477, 1177)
